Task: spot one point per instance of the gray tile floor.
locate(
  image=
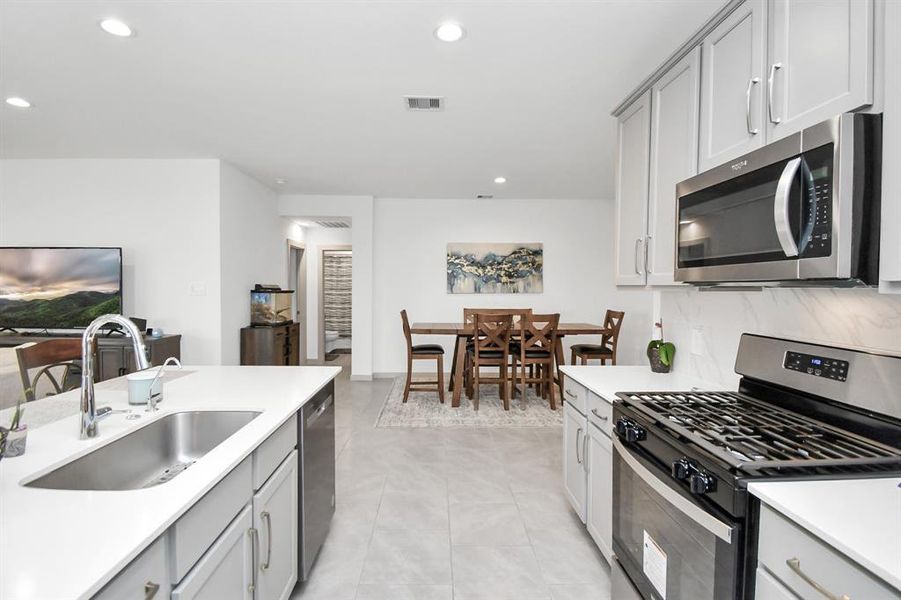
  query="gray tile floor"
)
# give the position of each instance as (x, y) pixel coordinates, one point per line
(441, 514)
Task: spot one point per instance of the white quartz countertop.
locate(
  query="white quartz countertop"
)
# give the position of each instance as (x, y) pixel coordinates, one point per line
(861, 518)
(57, 544)
(607, 381)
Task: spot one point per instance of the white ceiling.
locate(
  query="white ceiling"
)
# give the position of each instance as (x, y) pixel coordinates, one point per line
(311, 91)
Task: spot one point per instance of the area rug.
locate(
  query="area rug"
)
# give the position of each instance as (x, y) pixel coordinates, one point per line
(424, 410)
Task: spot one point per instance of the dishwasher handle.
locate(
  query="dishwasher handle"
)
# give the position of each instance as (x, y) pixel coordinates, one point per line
(314, 416)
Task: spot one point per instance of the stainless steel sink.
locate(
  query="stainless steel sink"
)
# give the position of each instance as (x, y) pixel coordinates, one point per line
(151, 455)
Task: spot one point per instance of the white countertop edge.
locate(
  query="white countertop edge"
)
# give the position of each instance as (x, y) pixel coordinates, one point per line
(199, 482)
(607, 381)
(768, 493)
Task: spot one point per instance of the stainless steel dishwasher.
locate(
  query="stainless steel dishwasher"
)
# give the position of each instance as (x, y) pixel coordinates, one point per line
(316, 440)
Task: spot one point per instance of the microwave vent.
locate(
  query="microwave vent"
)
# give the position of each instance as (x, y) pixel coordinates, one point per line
(424, 103)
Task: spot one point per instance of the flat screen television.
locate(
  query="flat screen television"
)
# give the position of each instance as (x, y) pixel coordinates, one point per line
(58, 288)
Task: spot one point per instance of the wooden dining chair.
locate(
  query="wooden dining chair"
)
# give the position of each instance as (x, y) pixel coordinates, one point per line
(490, 348)
(50, 356)
(422, 352)
(534, 353)
(606, 350)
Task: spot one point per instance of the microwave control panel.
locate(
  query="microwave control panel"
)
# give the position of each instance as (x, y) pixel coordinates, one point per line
(819, 366)
(817, 237)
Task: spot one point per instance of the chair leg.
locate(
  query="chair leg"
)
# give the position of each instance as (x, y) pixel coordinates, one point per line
(551, 390)
(409, 377)
(505, 387)
(475, 391)
(572, 359)
(441, 378)
(522, 382)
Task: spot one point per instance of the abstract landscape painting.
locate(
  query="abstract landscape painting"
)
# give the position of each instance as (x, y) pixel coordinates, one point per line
(495, 268)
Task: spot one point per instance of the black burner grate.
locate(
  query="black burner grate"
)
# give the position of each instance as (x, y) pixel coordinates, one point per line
(751, 435)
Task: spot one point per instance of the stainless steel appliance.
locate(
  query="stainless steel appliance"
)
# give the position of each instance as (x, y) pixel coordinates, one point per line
(684, 525)
(316, 439)
(802, 209)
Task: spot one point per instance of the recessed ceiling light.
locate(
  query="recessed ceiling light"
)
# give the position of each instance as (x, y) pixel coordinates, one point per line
(500, 180)
(281, 181)
(449, 32)
(18, 102)
(116, 27)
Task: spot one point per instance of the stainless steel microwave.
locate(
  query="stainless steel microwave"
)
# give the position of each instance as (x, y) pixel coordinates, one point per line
(803, 210)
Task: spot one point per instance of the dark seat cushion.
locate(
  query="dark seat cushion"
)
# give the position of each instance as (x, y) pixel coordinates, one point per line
(592, 349)
(530, 353)
(471, 349)
(428, 349)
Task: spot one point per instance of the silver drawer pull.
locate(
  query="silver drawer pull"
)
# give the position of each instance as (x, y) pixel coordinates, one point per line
(254, 542)
(150, 590)
(795, 565)
(268, 521)
(570, 394)
(578, 443)
(595, 412)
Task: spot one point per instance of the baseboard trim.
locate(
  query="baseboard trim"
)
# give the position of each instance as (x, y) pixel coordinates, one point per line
(361, 377)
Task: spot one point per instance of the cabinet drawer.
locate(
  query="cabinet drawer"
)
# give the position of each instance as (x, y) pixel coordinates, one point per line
(575, 394)
(270, 454)
(198, 528)
(767, 588)
(144, 578)
(600, 413)
(782, 541)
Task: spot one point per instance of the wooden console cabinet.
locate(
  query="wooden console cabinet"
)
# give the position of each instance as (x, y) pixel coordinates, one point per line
(278, 345)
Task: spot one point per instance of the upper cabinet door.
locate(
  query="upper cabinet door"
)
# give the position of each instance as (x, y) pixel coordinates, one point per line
(732, 86)
(633, 143)
(674, 157)
(820, 61)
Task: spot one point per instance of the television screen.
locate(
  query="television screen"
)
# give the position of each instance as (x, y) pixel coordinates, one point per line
(58, 288)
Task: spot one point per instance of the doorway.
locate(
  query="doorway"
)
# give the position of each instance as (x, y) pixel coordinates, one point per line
(335, 301)
(297, 281)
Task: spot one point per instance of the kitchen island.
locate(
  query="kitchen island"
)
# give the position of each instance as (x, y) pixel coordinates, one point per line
(63, 543)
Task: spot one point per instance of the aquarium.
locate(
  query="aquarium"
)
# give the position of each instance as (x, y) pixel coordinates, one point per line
(270, 307)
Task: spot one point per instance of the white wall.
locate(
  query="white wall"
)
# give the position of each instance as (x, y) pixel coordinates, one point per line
(844, 317)
(253, 250)
(314, 239)
(359, 209)
(163, 213)
(411, 239)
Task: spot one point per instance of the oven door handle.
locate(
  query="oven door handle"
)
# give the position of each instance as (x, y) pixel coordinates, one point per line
(781, 207)
(686, 507)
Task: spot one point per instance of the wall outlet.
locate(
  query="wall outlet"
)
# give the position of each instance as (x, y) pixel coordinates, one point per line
(697, 341)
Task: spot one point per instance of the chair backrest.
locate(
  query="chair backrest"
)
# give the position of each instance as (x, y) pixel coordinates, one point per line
(407, 334)
(613, 320)
(540, 333)
(518, 313)
(492, 333)
(45, 356)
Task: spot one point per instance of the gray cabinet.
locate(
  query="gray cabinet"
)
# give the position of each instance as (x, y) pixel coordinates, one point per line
(632, 168)
(674, 157)
(820, 61)
(574, 473)
(145, 578)
(600, 490)
(275, 516)
(732, 86)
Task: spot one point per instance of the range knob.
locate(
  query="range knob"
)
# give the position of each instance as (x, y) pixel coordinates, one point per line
(702, 482)
(682, 468)
(629, 431)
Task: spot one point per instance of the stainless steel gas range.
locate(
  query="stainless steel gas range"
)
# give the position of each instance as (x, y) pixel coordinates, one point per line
(684, 524)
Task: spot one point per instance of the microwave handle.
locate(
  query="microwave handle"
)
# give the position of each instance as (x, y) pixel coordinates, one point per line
(780, 207)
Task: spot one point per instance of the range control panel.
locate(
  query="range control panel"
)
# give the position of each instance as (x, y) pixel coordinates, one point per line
(819, 366)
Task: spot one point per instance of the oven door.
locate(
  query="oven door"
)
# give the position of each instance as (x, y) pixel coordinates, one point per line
(670, 546)
(760, 217)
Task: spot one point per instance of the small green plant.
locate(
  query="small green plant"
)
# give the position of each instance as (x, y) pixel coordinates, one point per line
(666, 350)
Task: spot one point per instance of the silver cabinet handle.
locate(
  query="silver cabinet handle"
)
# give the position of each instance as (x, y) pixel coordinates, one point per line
(584, 452)
(751, 83)
(647, 250)
(771, 82)
(570, 394)
(268, 521)
(637, 245)
(578, 443)
(795, 565)
(150, 590)
(254, 542)
(595, 412)
(780, 207)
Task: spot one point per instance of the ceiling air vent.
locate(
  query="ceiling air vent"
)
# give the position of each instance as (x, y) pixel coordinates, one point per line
(424, 102)
(333, 224)
(484, 196)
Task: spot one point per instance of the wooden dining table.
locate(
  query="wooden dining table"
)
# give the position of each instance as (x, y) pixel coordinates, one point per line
(464, 331)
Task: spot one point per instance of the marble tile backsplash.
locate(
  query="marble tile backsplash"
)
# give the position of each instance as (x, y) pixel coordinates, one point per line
(845, 317)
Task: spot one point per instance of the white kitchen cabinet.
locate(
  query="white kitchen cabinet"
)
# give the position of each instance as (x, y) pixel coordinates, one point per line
(820, 61)
(632, 153)
(275, 517)
(768, 588)
(674, 158)
(600, 490)
(225, 572)
(732, 86)
(145, 578)
(574, 444)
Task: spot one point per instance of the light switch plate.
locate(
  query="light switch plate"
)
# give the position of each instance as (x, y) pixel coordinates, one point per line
(198, 288)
